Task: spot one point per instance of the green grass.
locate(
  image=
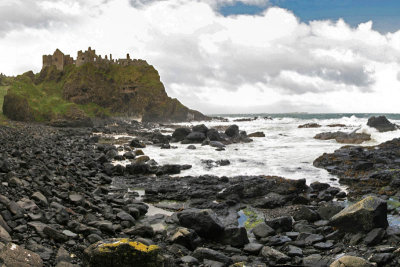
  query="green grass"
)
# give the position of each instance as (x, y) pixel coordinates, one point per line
(3, 92)
(46, 99)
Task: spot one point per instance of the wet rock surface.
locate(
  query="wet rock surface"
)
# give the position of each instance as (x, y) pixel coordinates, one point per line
(369, 169)
(344, 138)
(66, 199)
(382, 124)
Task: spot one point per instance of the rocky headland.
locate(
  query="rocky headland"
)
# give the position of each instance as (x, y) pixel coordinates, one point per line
(71, 92)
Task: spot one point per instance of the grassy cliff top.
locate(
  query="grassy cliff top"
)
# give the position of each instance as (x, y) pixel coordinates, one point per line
(93, 91)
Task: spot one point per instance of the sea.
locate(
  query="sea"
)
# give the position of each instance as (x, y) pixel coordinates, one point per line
(286, 150)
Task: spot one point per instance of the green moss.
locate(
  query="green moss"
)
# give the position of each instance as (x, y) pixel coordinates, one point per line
(253, 218)
(393, 203)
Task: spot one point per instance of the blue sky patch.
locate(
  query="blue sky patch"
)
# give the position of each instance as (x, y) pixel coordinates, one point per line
(385, 14)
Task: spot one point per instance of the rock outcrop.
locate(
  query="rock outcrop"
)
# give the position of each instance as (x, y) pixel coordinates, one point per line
(382, 124)
(344, 138)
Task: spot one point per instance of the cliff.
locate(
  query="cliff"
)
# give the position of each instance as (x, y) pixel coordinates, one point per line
(93, 90)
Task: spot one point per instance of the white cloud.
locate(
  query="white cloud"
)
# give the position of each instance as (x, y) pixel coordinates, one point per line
(242, 63)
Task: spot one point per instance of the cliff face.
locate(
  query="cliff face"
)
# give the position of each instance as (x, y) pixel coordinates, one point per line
(97, 91)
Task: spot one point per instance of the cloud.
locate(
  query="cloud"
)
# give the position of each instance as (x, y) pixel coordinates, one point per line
(213, 3)
(211, 62)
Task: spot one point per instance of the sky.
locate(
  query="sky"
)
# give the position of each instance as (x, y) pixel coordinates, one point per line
(227, 56)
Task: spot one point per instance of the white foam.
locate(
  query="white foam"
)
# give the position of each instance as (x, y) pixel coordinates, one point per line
(285, 151)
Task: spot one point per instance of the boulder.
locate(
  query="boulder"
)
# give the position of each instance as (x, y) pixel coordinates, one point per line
(122, 252)
(232, 131)
(213, 135)
(351, 261)
(235, 236)
(365, 215)
(185, 237)
(381, 123)
(13, 255)
(281, 224)
(180, 134)
(200, 128)
(262, 230)
(196, 137)
(204, 222)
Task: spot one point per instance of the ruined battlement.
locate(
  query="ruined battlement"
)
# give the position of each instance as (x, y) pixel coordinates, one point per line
(60, 60)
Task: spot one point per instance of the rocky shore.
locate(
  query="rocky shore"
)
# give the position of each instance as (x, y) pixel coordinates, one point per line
(65, 201)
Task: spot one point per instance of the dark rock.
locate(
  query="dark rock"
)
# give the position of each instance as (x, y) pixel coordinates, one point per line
(318, 186)
(274, 255)
(196, 137)
(344, 138)
(277, 240)
(209, 254)
(253, 248)
(235, 236)
(381, 123)
(185, 237)
(270, 201)
(232, 131)
(374, 236)
(141, 230)
(189, 261)
(257, 134)
(326, 211)
(137, 144)
(294, 251)
(305, 213)
(204, 222)
(281, 224)
(309, 125)
(214, 135)
(381, 258)
(262, 230)
(323, 245)
(200, 128)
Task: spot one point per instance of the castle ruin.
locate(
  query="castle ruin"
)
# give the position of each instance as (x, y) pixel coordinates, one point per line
(59, 60)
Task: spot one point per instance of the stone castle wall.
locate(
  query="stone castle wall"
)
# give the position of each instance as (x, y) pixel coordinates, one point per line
(60, 60)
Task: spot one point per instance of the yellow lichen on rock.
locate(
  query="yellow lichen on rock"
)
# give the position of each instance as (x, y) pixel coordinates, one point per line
(107, 247)
(122, 252)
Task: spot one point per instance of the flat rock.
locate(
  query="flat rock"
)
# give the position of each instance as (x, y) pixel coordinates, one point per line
(351, 261)
(13, 255)
(274, 255)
